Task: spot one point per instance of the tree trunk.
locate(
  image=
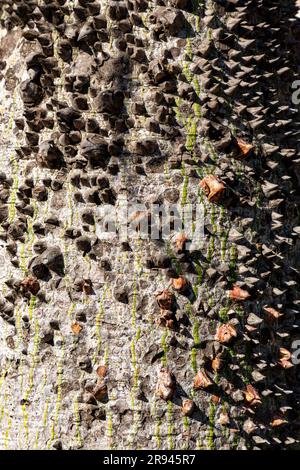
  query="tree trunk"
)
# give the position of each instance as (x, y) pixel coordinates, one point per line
(149, 343)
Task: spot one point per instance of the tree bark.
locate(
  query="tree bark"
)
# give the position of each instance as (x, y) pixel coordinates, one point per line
(103, 342)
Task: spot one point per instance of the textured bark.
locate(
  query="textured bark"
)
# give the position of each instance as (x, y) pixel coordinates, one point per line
(145, 102)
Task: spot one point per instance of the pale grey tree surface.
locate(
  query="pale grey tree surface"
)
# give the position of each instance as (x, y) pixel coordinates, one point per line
(148, 344)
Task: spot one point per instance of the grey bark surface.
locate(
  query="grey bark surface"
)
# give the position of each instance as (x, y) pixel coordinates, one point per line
(102, 100)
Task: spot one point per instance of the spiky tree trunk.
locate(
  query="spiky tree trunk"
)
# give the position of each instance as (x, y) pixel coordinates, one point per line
(102, 100)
